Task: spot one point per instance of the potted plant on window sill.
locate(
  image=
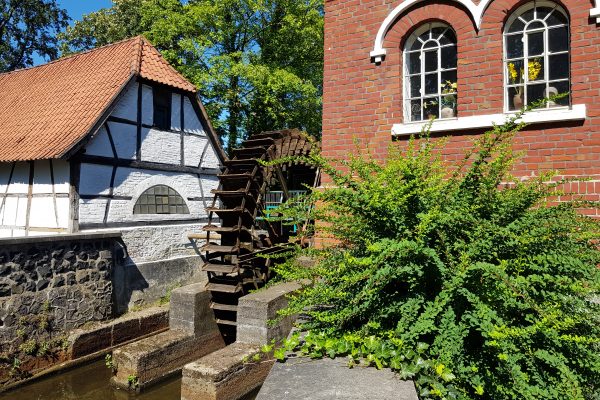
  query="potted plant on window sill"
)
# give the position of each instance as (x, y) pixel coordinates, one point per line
(448, 99)
(515, 77)
(429, 108)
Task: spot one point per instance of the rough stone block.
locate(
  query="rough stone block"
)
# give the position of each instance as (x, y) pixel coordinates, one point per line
(224, 374)
(125, 329)
(256, 309)
(151, 320)
(190, 310)
(157, 357)
(88, 342)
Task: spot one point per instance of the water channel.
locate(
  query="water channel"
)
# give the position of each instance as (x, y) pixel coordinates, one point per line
(91, 382)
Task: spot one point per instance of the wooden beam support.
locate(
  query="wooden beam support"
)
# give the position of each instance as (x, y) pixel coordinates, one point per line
(89, 159)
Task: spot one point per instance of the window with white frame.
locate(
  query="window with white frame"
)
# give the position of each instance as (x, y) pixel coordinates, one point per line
(536, 56)
(430, 73)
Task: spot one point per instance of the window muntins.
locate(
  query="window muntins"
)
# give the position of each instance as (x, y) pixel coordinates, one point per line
(430, 74)
(160, 199)
(536, 56)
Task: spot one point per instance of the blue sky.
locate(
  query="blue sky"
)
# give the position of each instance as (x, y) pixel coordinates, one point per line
(76, 9)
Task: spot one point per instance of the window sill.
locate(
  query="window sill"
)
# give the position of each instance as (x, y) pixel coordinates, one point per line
(575, 113)
(595, 13)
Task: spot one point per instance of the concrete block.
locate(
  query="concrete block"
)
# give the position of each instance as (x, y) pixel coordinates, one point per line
(191, 312)
(257, 309)
(224, 375)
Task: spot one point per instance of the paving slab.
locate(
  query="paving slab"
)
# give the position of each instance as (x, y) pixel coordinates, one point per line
(301, 378)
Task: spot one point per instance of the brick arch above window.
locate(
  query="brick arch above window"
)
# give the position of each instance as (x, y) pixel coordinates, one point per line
(475, 10)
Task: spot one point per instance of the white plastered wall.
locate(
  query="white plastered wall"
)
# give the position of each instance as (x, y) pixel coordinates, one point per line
(34, 198)
(129, 184)
(109, 190)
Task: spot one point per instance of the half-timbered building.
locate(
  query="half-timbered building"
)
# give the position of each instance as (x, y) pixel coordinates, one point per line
(110, 139)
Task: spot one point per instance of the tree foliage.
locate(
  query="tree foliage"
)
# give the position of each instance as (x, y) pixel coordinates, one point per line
(257, 63)
(29, 27)
(474, 287)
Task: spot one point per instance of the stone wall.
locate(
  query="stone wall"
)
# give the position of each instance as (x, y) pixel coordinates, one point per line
(53, 284)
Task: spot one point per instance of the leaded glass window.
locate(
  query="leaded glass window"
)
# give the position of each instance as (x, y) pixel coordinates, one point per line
(160, 199)
(536, 56)
(430, 81)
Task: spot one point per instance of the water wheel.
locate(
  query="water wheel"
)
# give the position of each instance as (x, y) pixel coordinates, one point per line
(238, 235)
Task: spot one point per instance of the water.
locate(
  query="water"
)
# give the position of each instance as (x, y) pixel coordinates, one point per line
(90, 382)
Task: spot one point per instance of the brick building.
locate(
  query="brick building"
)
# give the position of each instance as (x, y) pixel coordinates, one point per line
(390, 65)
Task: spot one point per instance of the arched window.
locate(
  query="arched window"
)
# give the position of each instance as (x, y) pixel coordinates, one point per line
(536, 56)
(160, 199)
(430, 73)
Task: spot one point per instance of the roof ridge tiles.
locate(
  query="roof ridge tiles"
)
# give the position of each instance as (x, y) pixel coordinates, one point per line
(74, 55)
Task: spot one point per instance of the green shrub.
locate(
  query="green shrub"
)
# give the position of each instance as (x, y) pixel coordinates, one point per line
(476, 288)
(29, 347)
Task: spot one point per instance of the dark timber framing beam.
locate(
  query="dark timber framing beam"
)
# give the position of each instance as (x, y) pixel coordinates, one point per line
(138, 145)
(10, 176)
(74, 176)
(153, 166)
(133, 224)
(181, 130)
(119, 120)
(29, 197)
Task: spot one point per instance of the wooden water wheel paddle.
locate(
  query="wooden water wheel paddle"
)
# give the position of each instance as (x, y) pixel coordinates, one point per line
(238, 235)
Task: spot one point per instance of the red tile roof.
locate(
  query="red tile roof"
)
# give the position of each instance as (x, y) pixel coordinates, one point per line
(47, 110)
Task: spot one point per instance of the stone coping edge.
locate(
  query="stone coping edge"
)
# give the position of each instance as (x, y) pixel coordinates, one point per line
(59, 238)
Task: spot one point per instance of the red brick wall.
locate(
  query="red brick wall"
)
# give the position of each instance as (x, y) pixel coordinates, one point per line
(363, 100)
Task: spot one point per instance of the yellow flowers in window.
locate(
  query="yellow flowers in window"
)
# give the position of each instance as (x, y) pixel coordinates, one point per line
(513, 75)
(516, 76)
(534, 68)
